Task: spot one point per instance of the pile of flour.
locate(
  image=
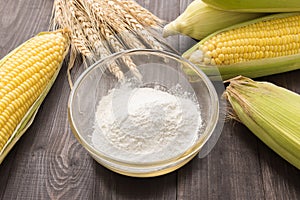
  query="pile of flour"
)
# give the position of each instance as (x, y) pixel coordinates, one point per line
(145, 124)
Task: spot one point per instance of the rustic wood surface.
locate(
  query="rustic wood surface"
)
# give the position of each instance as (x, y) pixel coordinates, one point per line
(48, 162)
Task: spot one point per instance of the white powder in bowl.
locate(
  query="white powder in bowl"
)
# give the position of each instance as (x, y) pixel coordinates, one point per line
(145, 124)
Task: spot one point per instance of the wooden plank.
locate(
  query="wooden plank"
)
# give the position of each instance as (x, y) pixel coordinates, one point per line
(230, 171)
(49, 163)
(21, 20)
(162, 187)
(5, 169)
(281, 179)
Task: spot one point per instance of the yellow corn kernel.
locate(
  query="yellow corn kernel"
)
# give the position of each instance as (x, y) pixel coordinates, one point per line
(24, 76)
(263, 46)
(255, 39)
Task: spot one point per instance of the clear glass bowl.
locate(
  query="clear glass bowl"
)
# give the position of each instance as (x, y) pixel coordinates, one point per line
(158, 69)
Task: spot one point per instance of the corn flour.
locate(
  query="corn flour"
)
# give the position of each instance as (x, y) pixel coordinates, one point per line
(145, 124)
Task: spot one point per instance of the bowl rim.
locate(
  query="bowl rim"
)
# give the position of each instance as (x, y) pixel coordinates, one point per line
(192, 150)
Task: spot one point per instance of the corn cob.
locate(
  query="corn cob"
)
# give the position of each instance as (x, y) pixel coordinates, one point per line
(199, 20)
(254, 6)
(271, 112)
(259, 47)
(26, 75)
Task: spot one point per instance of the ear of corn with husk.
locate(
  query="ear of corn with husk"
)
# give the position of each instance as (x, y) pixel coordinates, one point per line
(259, 47)
(255, 6)
(27, 74)
(199, 20)
(271, 112)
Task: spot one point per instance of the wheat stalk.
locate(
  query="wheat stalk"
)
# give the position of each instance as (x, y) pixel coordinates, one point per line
(106, 19)
(143, 15)
(101, 27)
(118, 47)
(86, 39)
(94, 40)
(61, 18)
(57, 18)
(96, 11)
(77, 35)
(133, 24)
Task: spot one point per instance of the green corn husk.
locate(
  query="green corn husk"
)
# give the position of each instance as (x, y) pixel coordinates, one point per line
(199, 20)
(255, 6)
(271, 112)
(253, 68)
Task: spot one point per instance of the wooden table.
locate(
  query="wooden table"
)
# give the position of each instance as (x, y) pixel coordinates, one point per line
(48, 162)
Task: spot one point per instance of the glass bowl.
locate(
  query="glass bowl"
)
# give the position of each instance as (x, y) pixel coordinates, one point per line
(156, 70)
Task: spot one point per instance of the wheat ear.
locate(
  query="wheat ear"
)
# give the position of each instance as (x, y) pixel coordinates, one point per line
(100, 49)
(133, 24)
(106, 18)
(144, 16)
(108, 34)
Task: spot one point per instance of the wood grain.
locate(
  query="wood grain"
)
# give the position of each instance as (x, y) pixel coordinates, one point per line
(49, 163)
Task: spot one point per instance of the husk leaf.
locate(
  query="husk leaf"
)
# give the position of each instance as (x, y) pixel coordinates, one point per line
(199, 20)
(271, 112)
